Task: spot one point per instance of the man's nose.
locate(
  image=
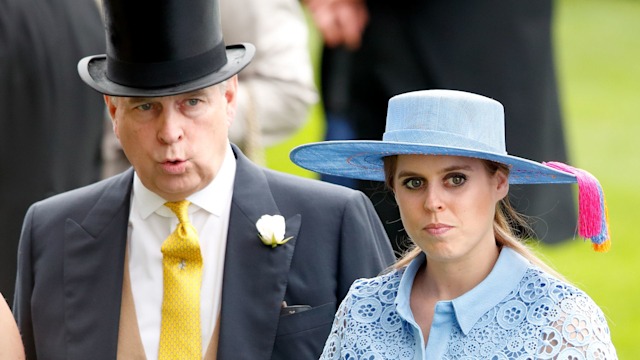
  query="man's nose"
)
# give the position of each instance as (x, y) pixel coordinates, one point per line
(171, 127)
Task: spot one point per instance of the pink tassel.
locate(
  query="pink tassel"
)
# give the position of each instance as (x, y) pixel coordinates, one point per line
(592, 209)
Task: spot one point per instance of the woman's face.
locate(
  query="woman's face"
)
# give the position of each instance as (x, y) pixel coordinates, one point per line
(447, 204)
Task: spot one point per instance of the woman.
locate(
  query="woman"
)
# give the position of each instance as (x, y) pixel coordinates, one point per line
(10, 343)
(470, 289)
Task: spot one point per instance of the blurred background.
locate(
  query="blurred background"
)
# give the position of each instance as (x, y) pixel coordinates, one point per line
(597, 49)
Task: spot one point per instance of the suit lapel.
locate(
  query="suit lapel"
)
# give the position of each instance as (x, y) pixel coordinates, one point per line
(93, 269)
(255, 275)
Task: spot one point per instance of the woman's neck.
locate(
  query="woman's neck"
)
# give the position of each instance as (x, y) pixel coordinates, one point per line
(437, 281)
(447, 280)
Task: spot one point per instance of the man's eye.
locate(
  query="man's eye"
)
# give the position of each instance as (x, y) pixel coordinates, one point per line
(413, 183)
(144, 107)
(456, 179)
(193, 102)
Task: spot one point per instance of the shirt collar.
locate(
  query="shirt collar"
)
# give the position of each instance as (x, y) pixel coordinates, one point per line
(505, 276)
(403, 298)
(471, 306)
(211, 198)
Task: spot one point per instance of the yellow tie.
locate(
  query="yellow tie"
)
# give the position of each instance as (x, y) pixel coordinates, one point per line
(180, 336)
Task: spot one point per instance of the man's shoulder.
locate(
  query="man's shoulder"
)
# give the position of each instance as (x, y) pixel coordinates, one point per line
(86, 195)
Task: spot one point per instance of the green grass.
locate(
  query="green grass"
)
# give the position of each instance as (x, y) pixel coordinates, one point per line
(597, 46)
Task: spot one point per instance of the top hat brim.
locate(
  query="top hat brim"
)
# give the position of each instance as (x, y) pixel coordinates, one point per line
(92, 70)
(363, 159)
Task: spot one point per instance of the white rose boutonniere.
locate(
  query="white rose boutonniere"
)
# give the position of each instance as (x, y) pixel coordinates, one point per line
(271, 230)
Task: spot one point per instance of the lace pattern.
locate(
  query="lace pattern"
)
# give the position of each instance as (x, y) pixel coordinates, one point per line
(543, 318)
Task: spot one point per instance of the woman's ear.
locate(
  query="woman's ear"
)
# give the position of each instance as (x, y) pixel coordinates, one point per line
(502, 184)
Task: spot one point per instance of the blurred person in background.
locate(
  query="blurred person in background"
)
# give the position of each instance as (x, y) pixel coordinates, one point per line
(501, 49)
(10, 342)
(49, 140)
(277, 87)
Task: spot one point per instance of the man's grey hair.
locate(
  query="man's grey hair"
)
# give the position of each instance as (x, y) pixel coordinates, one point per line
(222, 86)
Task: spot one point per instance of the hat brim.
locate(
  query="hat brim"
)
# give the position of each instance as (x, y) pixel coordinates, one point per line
(92, 70)
(363, 159)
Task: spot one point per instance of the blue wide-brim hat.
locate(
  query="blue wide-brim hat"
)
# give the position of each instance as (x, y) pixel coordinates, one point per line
(444, 122)
(429, 122)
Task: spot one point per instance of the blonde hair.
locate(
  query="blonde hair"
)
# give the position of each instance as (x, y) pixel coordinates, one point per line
(507, 222)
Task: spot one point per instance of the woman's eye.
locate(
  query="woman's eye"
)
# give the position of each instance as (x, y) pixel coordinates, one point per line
(413, 183)
(456, 179)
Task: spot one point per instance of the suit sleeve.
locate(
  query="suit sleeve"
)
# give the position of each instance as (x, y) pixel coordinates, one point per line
(24, 287)
(365, 249)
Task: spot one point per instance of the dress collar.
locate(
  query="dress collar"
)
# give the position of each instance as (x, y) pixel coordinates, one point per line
(472, 305)
(211, 198)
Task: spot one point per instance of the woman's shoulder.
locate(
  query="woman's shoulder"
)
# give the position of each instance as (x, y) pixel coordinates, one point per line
(547, 316)
(537, 283)
(540, 290)
(383, 286)
(561, 310)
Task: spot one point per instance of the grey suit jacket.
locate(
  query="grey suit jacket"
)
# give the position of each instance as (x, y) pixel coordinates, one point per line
(71, 261)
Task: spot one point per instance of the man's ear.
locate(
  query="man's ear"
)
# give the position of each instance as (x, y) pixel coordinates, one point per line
(112, 106)
(231, 95)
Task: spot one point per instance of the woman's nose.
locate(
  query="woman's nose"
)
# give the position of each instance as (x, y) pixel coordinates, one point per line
(433, 201)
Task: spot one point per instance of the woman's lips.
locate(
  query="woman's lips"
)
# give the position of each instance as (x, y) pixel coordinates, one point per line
(437, 229)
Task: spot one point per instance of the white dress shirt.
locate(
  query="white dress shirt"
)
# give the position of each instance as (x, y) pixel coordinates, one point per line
(150, 223)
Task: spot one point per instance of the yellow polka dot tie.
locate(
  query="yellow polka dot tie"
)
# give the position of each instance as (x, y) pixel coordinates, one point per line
(180, 336)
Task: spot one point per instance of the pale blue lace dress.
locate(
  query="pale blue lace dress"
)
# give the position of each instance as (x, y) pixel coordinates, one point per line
(517, 312)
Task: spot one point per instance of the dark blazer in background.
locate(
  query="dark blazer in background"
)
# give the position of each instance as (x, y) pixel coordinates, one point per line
(50, 121)
(72, 259)
(497, 48)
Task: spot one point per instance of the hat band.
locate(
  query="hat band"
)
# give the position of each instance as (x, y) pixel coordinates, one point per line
(166, 73)
(440, 138)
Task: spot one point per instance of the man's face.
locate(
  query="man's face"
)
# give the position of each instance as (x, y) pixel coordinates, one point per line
(177, 143)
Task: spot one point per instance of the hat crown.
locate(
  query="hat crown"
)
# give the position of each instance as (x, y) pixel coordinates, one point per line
(155, 31)
(446, 118)
(162, 44)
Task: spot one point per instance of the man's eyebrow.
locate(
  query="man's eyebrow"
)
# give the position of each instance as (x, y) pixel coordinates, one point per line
(138, 100)
(195, 92)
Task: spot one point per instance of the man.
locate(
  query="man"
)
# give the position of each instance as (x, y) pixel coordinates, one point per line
(102, 274)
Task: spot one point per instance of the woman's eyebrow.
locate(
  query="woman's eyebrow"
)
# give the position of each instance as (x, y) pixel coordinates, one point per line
(405, 173)
(457, 168)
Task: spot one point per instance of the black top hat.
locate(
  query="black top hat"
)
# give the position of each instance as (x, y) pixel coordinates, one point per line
(161, 48)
